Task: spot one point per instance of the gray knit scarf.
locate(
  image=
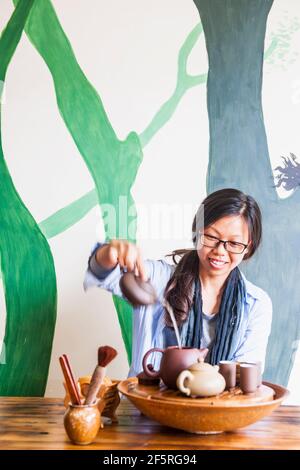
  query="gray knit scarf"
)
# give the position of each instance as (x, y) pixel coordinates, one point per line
(227, 322)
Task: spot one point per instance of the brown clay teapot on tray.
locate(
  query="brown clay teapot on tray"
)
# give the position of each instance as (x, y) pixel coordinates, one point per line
(174, 361)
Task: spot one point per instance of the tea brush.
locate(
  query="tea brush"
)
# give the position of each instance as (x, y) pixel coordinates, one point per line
(105, 355)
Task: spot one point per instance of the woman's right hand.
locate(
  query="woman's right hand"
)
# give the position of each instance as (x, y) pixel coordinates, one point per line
(124, 253)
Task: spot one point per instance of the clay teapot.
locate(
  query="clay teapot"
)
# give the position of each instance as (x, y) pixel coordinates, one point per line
(136, 291)
(174, 361)
(201, 380)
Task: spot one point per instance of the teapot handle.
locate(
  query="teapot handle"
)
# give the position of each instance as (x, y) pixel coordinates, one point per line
(151, 373)
(185, 374)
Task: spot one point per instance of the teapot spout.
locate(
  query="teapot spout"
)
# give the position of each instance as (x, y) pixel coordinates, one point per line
(202, 354)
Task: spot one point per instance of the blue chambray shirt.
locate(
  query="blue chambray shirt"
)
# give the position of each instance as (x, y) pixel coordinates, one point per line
(148, 322)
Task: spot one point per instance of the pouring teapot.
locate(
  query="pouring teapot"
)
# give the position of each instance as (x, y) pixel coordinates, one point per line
(136, 291)
(201, 380)
(174, 361)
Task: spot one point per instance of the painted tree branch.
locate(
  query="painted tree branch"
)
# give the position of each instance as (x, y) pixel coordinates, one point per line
(184, 82)
(69, 215)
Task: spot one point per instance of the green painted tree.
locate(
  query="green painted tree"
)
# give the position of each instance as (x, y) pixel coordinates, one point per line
(27, 268)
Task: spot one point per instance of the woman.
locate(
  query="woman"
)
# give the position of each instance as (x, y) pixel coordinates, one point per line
(215, 306)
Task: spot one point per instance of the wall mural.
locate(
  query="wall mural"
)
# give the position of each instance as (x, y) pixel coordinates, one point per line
(27, 268)
(238, 157)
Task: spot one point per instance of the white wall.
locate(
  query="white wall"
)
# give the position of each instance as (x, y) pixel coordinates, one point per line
(128, 51)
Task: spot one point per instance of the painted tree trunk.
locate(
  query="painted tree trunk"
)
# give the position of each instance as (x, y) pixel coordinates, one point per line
(27, 267)
(234, 33)
(238, 157)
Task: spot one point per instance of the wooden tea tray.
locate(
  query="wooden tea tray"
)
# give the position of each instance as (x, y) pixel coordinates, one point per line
(234, 397)
(226, 412)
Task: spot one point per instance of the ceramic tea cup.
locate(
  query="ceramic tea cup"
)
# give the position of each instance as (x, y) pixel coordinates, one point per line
(259, 374)
(248, 377)
(228, 370)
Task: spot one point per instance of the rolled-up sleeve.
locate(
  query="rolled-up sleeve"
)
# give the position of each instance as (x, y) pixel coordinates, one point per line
(255, 341)
(147, 320)
(97, 276)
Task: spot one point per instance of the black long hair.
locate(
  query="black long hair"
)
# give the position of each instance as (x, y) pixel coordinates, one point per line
(222, 203)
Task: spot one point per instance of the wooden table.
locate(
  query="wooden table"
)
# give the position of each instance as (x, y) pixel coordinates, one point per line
(37, 423)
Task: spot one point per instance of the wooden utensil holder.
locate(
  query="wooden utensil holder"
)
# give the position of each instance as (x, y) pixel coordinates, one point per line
(108, 396)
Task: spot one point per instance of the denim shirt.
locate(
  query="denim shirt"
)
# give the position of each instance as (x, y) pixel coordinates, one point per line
(148, 320)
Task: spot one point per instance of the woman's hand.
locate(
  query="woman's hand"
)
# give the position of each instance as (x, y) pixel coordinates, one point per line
(124, 253)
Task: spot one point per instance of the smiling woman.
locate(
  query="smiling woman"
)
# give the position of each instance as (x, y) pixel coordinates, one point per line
(215, 306)
(207, 291)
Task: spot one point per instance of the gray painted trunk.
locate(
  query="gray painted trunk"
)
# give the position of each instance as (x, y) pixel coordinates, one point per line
(238, 157)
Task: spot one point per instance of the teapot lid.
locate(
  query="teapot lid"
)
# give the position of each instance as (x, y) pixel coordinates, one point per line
(201, 365)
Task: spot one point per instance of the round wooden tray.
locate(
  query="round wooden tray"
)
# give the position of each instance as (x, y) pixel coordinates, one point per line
(227, 411)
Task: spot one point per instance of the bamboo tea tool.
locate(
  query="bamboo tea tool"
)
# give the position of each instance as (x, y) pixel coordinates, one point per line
(69, 379)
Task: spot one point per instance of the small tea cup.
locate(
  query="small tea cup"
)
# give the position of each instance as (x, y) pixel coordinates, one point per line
(259, 374)
(228, 370)
(248, 377)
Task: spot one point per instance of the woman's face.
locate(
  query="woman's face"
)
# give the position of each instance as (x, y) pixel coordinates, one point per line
(217, 261)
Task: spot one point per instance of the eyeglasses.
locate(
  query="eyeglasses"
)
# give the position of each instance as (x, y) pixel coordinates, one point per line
(231, 247)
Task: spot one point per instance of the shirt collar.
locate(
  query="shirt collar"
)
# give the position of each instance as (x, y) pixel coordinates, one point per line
(253, 292)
